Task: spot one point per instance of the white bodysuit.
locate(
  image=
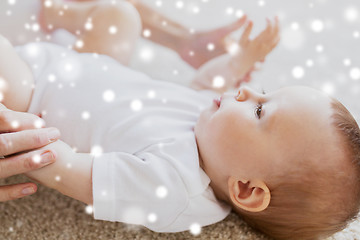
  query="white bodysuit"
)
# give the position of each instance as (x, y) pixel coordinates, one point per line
(146, 166)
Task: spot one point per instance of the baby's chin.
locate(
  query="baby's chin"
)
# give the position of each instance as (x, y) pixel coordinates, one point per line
(206, 114)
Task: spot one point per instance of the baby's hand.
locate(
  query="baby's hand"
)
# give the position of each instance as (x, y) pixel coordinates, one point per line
(198, 43)
(252, 51)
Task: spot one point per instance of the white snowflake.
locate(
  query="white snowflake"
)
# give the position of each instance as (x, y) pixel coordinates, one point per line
(218, 81)
(152, 217)
(89, 209)
(161, 192)
(195, 229)
(96, 150)
(109, 95)
(136, 105)
(317, 25)
(298, 72)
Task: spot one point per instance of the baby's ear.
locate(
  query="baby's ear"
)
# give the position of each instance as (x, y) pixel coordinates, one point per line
(249, 195)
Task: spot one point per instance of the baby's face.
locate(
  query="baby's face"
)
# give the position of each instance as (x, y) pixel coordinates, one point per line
(253, 135)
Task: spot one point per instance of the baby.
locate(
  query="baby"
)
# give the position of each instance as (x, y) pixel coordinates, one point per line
(166, 157)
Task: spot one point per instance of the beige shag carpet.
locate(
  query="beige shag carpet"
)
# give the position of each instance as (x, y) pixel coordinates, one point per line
(50, 215)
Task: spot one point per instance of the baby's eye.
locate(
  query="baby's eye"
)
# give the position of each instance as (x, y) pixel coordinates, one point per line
(258, 110)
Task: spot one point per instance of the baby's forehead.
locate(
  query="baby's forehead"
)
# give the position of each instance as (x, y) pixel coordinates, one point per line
(300, 115)
(303, 92)
(305, 101)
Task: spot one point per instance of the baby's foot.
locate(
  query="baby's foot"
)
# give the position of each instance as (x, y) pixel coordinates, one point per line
(48, 9)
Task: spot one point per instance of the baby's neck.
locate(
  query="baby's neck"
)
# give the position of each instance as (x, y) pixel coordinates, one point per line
(219, 193)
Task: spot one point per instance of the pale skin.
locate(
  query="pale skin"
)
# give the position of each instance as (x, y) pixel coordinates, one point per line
(20, 133)
(250, 137)
(120, 45)
(19, 144)
(76, 181)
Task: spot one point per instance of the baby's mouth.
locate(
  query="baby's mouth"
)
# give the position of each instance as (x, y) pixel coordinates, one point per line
(217, 101)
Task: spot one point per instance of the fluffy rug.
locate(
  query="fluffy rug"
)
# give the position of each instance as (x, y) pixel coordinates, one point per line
(52, 216)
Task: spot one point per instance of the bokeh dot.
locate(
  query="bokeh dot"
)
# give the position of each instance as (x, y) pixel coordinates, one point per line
(152, 217)
(113, 30)
(96, 150)
(347, 62)
(210, 46)
(85, 115)
(218, 81)
(195, 229)
(88, 26)
(146, 54)
(89, 209)
(146, 33)
(351, 14)
(151, 94)
(328, 88)
(355, 73)
(136, 105)
(36, 158)
(310, 63)
(298, 72)
(161, 192)
(317, 25)
(179, 4)
(319, 48)
(109, 96)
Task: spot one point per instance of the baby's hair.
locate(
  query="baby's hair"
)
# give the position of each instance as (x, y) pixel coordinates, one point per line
(315, 202)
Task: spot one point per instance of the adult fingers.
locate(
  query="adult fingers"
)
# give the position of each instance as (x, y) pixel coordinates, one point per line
(11, 121)
(25, 162)
(11, 143)
(245, 36)
(11, 192)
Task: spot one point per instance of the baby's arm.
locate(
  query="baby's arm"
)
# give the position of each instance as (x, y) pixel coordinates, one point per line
(71, 174)
(16, 79)
(229, 70)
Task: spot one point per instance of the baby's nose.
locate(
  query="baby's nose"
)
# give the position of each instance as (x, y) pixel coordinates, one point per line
(241, 95)
(246, 93)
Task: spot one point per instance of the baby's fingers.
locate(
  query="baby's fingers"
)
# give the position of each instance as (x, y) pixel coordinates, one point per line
(268, 34)
(269, 30)
(269, 26)
(245, 36)
(277, 26)
(276, 34)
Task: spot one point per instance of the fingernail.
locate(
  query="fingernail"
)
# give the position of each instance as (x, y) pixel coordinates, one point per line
(27, 191)
(47, 157)
(53, 135)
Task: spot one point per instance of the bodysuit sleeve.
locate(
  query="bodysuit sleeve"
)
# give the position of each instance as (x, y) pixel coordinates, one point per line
(137, 189)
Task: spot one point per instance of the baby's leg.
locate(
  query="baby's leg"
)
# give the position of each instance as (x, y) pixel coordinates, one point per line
(102, 27)
(16, 78)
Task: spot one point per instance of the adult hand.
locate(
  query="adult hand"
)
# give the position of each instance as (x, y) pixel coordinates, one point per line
(20, 134)
(197, 44)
